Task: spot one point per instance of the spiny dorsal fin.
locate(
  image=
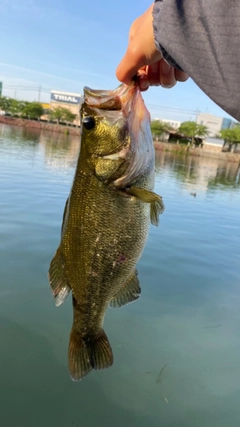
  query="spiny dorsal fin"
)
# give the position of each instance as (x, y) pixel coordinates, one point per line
(156, 203)
(57, 279)
(128, 293)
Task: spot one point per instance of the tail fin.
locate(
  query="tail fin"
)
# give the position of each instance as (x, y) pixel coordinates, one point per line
(87, 353)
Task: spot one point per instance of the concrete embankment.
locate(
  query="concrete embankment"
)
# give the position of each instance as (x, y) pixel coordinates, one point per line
(52, 127)
(212, 151)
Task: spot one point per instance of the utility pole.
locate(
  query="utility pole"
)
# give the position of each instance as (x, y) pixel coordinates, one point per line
(39, 93)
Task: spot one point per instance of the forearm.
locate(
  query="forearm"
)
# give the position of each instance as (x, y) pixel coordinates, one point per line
(203, 38)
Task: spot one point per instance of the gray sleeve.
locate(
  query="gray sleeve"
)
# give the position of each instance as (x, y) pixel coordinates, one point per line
(202, 37)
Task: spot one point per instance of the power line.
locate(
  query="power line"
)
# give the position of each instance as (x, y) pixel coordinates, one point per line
(41, 89)
(27, 88)
(172, 109)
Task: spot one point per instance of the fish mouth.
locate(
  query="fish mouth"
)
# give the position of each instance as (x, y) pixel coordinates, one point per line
(118, 153)
(124, 105)
(109, 100)
(113, 105)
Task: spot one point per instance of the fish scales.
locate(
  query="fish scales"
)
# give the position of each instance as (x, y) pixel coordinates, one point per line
(100, 241)
(106, 221)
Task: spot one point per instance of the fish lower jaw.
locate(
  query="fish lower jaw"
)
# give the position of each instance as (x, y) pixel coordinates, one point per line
(119, 155)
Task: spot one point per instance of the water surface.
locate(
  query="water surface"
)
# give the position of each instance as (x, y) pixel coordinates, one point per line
(176, 349)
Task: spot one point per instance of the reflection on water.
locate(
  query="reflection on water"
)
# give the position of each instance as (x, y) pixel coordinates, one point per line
(59, 150)
(205, 173)
(176, 349)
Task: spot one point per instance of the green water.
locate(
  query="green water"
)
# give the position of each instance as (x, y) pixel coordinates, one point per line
(177, 349)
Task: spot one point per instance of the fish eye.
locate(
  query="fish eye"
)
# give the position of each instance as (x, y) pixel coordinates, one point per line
(88, 122)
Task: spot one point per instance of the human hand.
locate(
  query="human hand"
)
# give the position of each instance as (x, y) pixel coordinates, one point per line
(143, 58)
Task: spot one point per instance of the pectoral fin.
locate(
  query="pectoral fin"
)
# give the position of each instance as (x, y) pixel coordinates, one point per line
(128, 293)
(156, 203)
(57, 279)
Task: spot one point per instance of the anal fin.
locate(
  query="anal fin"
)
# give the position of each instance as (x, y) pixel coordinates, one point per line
(128, 293)
(156, 203)
(57, 279)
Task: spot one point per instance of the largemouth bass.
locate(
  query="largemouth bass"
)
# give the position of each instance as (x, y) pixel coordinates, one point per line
(105, 221)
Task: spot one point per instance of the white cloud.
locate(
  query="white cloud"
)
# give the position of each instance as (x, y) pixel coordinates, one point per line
(24, 83)
(22, 6)
(16, 67)
(41, 12)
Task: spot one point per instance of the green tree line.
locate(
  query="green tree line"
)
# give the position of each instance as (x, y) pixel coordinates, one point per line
(193, 130)
(187, 129)
(34, 110)
(158, 128)
(61, 114)
(231, 137)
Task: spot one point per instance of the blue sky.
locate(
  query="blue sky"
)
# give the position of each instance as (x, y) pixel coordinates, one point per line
(67, 44)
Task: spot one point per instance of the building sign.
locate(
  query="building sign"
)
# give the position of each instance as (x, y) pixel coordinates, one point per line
(45, 105)
(66, 98)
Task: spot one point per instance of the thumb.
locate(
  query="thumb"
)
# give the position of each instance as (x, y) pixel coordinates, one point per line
(133, 60)
(129, 66)
(141, 50)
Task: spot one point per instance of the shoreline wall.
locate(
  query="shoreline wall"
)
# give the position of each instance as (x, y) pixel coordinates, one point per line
(52, 127)
(206, 151)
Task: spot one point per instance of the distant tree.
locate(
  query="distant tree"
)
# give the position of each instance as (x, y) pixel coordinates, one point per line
(158, 128)
(202, 131)
(192, 130)
(33, 110)
(58, 114)
(12, 106)
(231, 137)
(21, 107)
(69, 117)
(5, 103)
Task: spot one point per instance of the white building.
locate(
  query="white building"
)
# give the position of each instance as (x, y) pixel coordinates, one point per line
(213, 123)
(68, 100)
(173, 123)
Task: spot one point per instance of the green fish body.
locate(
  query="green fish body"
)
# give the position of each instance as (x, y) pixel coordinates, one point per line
(106, 220)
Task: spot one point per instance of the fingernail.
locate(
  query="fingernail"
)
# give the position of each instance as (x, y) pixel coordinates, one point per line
(168, 85)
